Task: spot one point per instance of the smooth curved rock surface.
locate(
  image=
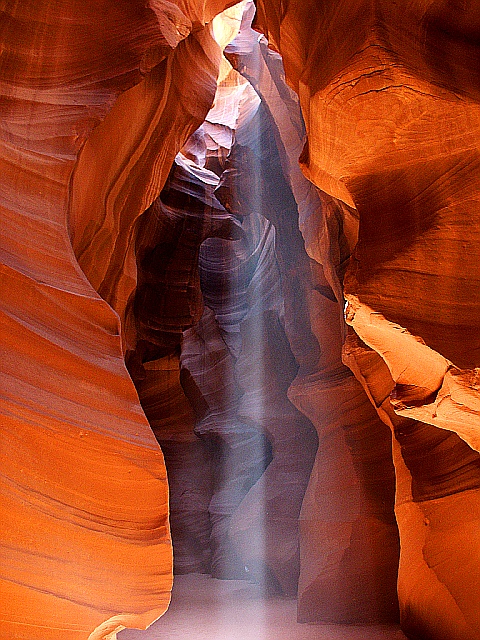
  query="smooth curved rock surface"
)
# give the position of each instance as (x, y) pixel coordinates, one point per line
(97, 99)
(167, 301)
(348, 536)
(389, 93)
(188, 462)
(81, 554)
(234, 411)
(245, 287)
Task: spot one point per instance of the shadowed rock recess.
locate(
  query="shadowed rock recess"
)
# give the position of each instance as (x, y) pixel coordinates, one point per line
(259, 248)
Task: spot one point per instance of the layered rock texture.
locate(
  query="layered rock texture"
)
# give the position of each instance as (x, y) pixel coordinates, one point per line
(172, 274)
(236, 362)
(347, 516)
(96, 101)
(389, 92)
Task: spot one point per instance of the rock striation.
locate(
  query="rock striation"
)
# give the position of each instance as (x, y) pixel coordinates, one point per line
(169, 273)
(348, 535)
(84, 89)
(243, 417)
(389, 92)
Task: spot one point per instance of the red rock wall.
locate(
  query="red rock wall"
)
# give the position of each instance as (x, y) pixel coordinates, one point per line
(348, 536)
(167, 301)
(389, 91)
(97, 99)
(226, 358)
(83, 87)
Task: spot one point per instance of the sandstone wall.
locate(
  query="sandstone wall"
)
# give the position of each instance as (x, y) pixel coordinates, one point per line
(85, 535)
(97, 266)
(389, 92)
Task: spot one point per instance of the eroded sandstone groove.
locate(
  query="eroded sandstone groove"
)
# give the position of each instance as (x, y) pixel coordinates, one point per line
(115, 254)
(84, 86)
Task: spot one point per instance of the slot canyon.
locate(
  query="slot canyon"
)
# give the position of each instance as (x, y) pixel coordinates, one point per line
(240, 291)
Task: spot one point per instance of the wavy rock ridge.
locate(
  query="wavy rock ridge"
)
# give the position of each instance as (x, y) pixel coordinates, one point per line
(84, 87)
(102, 261)
(389, 92)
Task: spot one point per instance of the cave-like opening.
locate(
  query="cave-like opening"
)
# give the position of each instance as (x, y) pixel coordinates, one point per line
(235, 325)
(305, 269)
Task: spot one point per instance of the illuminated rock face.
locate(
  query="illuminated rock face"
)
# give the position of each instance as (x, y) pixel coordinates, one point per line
(86, 146)
(97, 99)
(236, 362)
(389, 91)
(348, 535)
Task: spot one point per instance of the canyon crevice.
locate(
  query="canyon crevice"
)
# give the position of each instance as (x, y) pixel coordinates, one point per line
(257, 247)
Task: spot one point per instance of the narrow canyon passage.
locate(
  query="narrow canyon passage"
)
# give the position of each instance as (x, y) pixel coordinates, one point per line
(221, 249)
(240, 320)
(204, 608)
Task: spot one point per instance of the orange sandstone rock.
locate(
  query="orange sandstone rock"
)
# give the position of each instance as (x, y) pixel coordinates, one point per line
(389, 92)
(85, 540)
(348, 534)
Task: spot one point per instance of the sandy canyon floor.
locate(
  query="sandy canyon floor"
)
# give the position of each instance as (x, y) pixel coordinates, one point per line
(203, 608)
